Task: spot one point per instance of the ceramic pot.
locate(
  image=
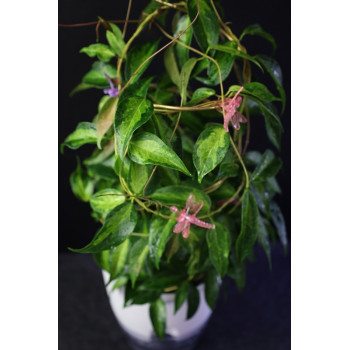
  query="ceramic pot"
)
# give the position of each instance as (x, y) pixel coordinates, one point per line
(135, 321)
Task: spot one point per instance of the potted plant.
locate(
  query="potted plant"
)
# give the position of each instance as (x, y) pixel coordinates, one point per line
(181, 198)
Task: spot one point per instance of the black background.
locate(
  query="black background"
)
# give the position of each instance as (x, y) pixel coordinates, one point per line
(76, 226)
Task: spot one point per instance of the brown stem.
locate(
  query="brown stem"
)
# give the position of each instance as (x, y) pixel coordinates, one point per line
(96, 22)
(127, 18)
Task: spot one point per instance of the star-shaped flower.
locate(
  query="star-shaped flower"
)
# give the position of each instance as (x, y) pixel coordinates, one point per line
(231, 106)
(112, 91)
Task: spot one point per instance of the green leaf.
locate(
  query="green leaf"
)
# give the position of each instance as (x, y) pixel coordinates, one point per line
(219, 242)
(137, 89)
(81, 184)
(212, 287)
(233, 50)
(102, 171)
(119, 224)
(225, 61)
(157, 313)
(95, 77)
(105, 200)
(132, 112)
(210, 149)
(101, 259)
(115, 39)
(171, 65)
(181, 52)
(136, 56)
(249, 226)
(102, 51)
(273, 126)
(117, 259)
(141, 294)
(200, 95)
(268, 166)
(138, 177)
(181, 294)
(206, 28)
(159, 234)
(137, 257)
(177, 195)
(147, 148)
(255, 29)
(256, 91)
(278, 220)
(263, 238)
(83, 134)
(80, 87)
(192, 300)
(273, 68)
(105, 118)
(185, 77)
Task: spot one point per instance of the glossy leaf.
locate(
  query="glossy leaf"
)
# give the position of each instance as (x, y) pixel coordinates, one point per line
(105, 200)
(101, 259)
(95, 76)
(268, 166)
(273, 126)
(185, 77)
(257, 91)
(212, 287)
(115, 39)
(138, 253)
(249, 226)
(159, 234)
(225, 61)
(273, 68)
(206, 28)
(136, 56)
(177, 195)
(83, 134)
(138, 177)
(119, 224)
(237, 53)
(255, 29)
(117, 259)
(81, 184)
(147, 148)
(219, 243)
(181, 294)
(263, 238)
(105, 118)
(137, 89)
(210, 149)
(171, 65)
(157, 313)
(181, 52)
(192, 300)
(278, 220)
(131, 113)
(201, 94)
(102, 51)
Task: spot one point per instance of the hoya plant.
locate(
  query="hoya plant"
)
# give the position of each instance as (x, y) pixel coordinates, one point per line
(180, 197)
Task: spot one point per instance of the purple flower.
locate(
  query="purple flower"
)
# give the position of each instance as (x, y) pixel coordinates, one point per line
(112, 91)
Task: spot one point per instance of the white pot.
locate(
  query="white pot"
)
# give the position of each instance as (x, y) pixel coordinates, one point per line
(136, 323)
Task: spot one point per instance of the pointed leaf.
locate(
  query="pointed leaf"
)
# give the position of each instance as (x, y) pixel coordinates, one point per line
(138, 177)
(95, 76)
(200, 95)
(105, 200)
(137, 89)
(212, 287)
(181, 294)
(206, 28)
(83, 134)
(157, 313)
(210, 149)
(105, 118)
(171, 65)
(137, 257)
(136, 56)
(119, 224)
(147, 148)
(81, 184)
(182, 53)
(273, 126)
(102, 51)
(177, 195)
(219, 243)
(249, 226)
(185, 77)
(132, 112)
(159, 234)
(263, 238)
(115, 39)
(192, 300)
(268, 166)
(278, 220)
(117, 259)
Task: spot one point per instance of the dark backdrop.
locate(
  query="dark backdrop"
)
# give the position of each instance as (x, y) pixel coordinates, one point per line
(76, 226)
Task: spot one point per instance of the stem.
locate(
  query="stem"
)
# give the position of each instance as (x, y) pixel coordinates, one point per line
(127, 18)
(140, 234)
(159, 108)
(215, 186)
(96, 22)
(242, 163)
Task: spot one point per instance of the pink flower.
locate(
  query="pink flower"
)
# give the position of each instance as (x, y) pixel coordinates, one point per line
(231, 106)
(187, 216)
